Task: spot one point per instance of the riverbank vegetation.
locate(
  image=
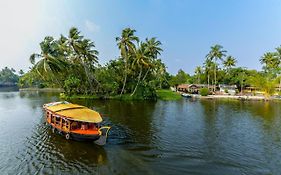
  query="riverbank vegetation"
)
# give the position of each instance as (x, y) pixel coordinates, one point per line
(220, 68)
(165, 94)
(9, 77)
(71, 63)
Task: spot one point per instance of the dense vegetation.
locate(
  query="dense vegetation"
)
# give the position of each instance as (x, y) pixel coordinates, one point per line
(8, 76)
(220, 68)
(71, 62)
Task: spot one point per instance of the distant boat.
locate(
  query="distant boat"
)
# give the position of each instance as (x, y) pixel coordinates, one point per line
(76, 122)
(186, 95)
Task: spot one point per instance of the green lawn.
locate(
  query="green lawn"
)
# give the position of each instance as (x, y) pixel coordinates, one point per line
(164, 94)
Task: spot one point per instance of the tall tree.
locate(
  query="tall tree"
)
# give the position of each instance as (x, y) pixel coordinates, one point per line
(198, 72)
(83, 53)
(216, 53)
(229, 62)
(153, 49)
(271, 62)
(127, 46)
(51, 62)
(141, 61)
(208, 65)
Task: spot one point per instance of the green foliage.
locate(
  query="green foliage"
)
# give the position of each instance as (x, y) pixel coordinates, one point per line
(168, 95)
(8, 77)
(71, 63)
(204, 91)
(71, 85)
(180, 78)
(263, 83)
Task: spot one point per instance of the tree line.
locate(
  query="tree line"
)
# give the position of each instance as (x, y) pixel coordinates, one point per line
(9, 76)
(220, 68)
(71, 62)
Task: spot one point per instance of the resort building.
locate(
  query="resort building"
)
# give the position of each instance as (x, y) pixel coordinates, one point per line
(230, 89)
(193, 88)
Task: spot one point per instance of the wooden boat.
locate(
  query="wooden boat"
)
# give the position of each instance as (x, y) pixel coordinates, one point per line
(76, 122)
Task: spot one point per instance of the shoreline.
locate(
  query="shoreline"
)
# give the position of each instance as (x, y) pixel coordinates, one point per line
(41, 89)
(238, 97)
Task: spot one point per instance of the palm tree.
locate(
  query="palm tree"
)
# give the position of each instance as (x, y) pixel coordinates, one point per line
(216, 53)
(278, 53)
(51, 62)
(271, 61)
(83, 53)
(126, 45)
(198, 72)
(141, 61)
(153, 49)
(229, 62)
(208, 65)
(159, 71)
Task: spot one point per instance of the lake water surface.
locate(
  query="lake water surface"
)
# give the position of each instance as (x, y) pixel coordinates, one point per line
(164, 137)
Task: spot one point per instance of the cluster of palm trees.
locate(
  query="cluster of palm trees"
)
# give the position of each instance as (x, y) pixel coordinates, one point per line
(265, 80)
(271, 62)
(140, 58)
(72, 63)
(211, 64)
(68, 56)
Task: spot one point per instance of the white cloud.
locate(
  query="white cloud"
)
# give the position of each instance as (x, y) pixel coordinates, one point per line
(91, 26)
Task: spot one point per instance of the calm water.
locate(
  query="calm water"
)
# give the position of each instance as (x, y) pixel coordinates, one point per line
(182, 137)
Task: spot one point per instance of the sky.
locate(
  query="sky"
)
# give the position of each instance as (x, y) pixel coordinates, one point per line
(187, 28)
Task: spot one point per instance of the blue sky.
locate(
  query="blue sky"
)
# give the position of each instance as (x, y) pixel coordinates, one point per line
(187, 28)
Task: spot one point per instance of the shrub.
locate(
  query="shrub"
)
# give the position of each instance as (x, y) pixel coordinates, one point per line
(204, 91)
(226, 91)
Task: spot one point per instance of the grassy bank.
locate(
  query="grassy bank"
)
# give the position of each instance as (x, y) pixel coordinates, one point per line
(161, 94)
(124, 97)
(42, 89)
(164, 94)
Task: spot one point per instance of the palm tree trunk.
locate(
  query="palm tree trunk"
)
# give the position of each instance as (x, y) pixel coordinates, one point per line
(208, 81)
(145, 74)
(125, 78)
(280, 84)
(215, 76)
(137, 83)
(88, 76)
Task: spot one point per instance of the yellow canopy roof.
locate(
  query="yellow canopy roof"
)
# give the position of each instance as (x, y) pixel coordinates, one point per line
(75, 112)
(62, 106)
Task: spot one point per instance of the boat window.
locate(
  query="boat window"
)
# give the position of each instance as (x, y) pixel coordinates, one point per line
(57, 118)
(74, 125)
(84, 126)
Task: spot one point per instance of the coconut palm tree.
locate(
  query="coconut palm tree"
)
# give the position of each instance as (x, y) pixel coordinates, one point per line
(82, 53)
(271, 61)
(278, 53)
(127, 46)
(153, 47)
(51, 62)
(229, 62)
(216, 53)
(141, 61)
(208, 65)
(198, 72)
